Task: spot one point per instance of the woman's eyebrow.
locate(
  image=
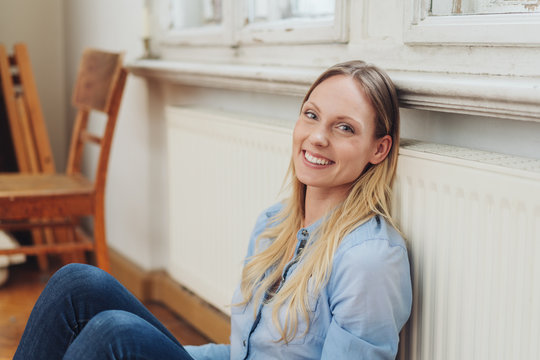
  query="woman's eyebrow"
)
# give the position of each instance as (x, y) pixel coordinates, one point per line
(352, 119)
(340, 117)
(311, 103)
(358, 124)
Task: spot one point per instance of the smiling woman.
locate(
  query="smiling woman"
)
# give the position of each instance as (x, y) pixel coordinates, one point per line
(331, 246)
(326, 274)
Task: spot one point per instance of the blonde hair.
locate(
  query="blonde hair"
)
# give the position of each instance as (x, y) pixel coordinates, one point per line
(370, 195)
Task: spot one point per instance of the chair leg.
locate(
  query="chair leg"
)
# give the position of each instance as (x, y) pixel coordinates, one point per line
(79, 256)
(62, 236)
(100, 243)
(38, 238)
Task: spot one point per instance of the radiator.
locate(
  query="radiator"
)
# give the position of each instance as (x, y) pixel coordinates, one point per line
(225, 169)
(471, 220)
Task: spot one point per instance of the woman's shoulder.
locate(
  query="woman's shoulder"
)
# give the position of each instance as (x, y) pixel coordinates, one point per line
(374, 250)
(273, 210)
(377, 232)
(263, 221)
(266, 216)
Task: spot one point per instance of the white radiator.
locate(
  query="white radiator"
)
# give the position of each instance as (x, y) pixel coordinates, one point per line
(224, 171)
(472, 221)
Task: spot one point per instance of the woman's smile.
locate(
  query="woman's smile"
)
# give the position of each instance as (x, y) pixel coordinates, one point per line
(316, 160)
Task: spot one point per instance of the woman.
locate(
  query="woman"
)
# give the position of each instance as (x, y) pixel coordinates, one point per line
(326, 276)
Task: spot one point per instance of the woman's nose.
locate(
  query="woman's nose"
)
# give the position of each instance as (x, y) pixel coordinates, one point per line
(319, 136)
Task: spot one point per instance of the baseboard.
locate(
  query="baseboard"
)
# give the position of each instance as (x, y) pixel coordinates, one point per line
(134, 278)
(159, 286)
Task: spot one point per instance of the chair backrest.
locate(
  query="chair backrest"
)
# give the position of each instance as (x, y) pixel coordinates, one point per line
(27, 126)
(99, 87)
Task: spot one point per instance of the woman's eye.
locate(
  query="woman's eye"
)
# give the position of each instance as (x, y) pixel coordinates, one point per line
(311, 115)
(346, 128)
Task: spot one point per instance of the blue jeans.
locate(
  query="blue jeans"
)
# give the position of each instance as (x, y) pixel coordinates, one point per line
(84, 313)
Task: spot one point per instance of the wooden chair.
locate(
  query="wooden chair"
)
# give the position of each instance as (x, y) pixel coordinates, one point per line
(59, 200)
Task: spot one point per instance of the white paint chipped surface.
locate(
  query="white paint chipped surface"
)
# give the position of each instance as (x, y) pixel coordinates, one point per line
(484, 157)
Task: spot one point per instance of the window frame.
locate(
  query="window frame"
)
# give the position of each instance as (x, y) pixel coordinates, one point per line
(210, 35)
(490, 29)
(234, 31)
(295, 31)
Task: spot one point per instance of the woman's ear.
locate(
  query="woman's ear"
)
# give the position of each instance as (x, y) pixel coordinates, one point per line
(383, 146)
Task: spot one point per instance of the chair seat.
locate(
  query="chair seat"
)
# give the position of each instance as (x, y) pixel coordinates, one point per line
(24, 196)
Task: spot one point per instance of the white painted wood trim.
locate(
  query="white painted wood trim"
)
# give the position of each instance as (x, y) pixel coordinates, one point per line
(297, 31)
(515, 98)
(497, 96)
(266, 79)
(213, 35)
(234, 31)
(493, 29)
(218, 35)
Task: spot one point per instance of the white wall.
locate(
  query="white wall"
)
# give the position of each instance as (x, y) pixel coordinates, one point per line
(513, 137)
(133, 214)
(39, 24)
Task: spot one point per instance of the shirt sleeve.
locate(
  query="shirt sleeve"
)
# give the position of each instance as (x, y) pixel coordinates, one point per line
(209, 352)
(370, 300)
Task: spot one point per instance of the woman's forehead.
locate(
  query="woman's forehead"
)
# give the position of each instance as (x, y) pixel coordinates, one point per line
(342, 95)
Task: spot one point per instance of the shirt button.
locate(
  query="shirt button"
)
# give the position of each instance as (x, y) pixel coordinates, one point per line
(305, 232)
(244, 343)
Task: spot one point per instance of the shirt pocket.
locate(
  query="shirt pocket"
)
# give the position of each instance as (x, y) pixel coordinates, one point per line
(301, 334)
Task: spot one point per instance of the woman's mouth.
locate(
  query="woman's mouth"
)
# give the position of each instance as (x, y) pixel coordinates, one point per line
(316, 160)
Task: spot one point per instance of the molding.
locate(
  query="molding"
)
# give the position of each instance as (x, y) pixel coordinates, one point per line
(266, 79)
(509, 97)
(160, 287)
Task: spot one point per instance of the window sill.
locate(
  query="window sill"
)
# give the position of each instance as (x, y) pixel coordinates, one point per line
(497, 96)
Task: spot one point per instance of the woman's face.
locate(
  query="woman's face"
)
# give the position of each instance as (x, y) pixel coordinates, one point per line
(333, 140)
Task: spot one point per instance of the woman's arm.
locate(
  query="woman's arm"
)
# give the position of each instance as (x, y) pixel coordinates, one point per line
(370, 300)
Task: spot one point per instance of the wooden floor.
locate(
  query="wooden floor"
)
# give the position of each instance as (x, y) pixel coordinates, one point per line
(25, 283)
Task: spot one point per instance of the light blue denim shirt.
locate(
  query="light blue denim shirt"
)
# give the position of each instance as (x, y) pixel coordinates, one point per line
(357, 315)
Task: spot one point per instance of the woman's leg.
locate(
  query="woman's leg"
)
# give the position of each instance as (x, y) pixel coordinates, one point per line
(116, 334)
(73, 296)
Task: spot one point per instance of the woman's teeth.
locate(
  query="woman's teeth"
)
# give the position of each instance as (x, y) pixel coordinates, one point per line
(314, 160)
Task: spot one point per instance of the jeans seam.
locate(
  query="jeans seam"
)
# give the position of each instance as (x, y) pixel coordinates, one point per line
(76, 329)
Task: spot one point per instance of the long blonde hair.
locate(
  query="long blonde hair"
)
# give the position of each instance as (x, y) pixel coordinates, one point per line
(370, 195)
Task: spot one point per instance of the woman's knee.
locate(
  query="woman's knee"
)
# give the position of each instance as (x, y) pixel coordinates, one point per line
(109, 334)
(73, 277)
(73, 271)
(119, 334)
(114, 324)
(119, 330)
